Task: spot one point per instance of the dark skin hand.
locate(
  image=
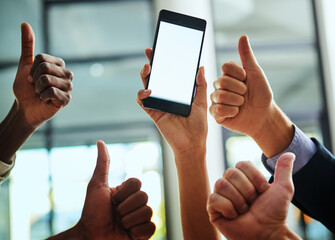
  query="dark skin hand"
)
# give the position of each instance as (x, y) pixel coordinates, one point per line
(42, 87)
(112, 213)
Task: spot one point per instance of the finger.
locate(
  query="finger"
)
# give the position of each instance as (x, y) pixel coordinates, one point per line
(201, 90)
(218, 206)
(241, 183)
(227, 98)
(148, 53)
(144, 74)
(40, 58)
(137, 217)
(51, 69)
(45, 81)
(227, 190)
(58, 97)
(27, 44)
(143, 94)
(254, 176)
(230, 84)
(233, 70)
(283, 171)
(133, 202)
(100, 175)
(221, 112)
(126, 189)
(247, 56)
(143, 231)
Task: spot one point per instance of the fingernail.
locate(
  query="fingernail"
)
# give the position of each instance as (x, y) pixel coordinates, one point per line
(30, 79)
(244, 208)
(147, 91)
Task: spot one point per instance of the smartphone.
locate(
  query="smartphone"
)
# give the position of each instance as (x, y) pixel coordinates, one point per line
(175, 62)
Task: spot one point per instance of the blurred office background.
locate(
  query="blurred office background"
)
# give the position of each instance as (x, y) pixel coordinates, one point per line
(103, 43)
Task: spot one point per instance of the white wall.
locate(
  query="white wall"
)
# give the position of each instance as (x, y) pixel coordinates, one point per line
(202, 9)
(326, 20)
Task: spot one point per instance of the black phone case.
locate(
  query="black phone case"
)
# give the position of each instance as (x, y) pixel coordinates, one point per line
(185, 21)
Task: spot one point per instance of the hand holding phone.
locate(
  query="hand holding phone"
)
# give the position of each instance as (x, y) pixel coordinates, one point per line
(172, 77)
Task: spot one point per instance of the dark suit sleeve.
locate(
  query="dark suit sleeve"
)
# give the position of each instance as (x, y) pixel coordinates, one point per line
(315, 187)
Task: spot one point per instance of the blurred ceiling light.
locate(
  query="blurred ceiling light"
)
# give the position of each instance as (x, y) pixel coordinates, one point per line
(230, 12)
(96, 70)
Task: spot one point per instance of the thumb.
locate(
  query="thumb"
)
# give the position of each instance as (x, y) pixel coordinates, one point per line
(27, 44)
(100, 175)
(283, 171)
(247, 56)
(201, 90)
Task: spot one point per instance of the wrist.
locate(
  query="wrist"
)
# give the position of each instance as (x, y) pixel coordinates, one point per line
(74, 233)
(283, 233)
(275, 134)
(17, 115)
(14, 131)
(191, 162)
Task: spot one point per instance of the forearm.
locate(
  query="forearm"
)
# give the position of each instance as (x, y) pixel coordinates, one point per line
(14, 131)
(276, 134)
(194, 190)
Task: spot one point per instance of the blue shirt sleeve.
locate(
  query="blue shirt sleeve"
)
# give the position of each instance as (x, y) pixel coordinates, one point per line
(303, 148)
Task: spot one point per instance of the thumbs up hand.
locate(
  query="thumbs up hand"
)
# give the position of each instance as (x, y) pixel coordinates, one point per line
(112, 213)
(243, 102)
(42, 86)
(242, 96)
(245, 206)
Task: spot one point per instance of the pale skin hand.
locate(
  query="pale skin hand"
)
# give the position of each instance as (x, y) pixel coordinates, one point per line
(245, 206)
(243, 102)
(187, 138)
(41, 88)
(112, 213)
(180, 132)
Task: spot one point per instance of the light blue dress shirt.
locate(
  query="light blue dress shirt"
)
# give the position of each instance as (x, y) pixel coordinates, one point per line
(301, 145)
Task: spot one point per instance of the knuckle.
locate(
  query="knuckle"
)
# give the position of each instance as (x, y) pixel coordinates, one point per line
(228, 66)
(223, 83)
(45, 80)
(211, 200)
(40, 57)
(135, 182)
(219, 109)
(44, 66)
(221, 184)
(231, 173)
(68, 74)
(229, 211)
(243, 165)
(148, 212)
(69, 86)
(143, 197)
(243, 89)
(241, 100)
(68, 99)
(234, 111)
(52, 91)
(62, 62)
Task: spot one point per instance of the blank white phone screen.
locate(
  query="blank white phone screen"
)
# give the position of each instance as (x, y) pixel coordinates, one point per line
(175, 63)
